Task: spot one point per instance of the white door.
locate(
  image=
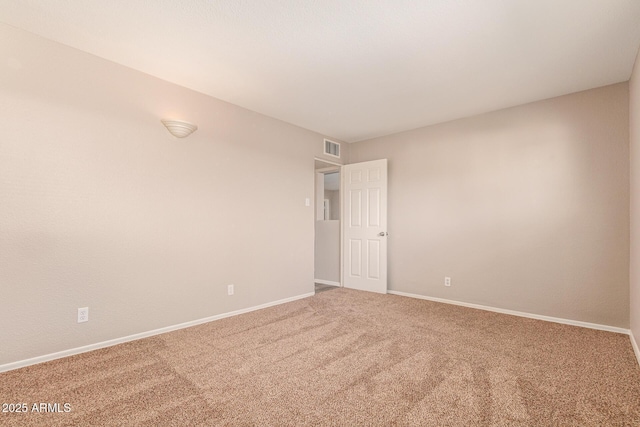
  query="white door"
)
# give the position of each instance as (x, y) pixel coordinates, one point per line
(364, 251)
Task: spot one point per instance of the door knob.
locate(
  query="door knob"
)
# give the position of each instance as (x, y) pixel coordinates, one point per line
(382, 234)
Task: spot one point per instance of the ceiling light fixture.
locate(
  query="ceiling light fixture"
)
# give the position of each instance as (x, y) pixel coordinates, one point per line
(178, 128)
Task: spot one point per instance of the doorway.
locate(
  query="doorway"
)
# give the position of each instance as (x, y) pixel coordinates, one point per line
(327, 256)
(351, 225)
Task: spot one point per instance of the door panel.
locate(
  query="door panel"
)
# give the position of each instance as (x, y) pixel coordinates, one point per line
(374, 207)
(356, 258)
(355, 211)
(373, 269)
(365, 228)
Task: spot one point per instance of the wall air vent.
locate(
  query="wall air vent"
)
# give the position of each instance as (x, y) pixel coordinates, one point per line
(332, 148)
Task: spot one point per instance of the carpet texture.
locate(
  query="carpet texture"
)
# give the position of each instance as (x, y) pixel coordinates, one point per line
(343, 358)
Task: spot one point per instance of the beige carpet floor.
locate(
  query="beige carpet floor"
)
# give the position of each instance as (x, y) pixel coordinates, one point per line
(344, 358)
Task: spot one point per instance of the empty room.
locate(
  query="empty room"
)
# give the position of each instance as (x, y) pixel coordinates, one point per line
(345, 213)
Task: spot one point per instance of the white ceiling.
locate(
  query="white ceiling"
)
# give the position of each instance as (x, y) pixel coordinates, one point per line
(354, 69)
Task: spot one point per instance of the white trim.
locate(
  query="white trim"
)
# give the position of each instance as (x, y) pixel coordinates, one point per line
(109, 343)
(328, 169)
(634, 344)
(330, 162)
(326, 282)
(520, 314)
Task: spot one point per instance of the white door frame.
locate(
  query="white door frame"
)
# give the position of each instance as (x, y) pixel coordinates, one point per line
(335, 167)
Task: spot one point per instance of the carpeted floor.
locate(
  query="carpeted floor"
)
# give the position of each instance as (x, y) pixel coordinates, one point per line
(347, 358)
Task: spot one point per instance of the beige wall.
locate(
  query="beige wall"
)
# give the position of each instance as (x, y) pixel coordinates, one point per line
(334, 203)
(101, 207)
(327, 251)
(634, 137)
(526, 208)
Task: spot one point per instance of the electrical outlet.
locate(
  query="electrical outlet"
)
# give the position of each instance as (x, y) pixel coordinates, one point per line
(83, 314)
(229, 289)
(447, 281)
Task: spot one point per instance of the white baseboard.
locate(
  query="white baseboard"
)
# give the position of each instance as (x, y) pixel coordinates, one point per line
(109, 343)
(326, 282)
(520, 314)
(634, 344)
